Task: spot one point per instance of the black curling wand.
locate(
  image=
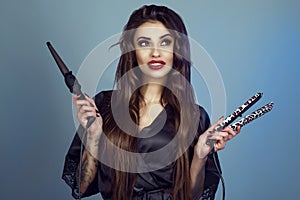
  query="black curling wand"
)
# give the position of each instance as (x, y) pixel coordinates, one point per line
(70, 80)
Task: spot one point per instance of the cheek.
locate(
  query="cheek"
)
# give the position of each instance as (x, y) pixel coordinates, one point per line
(170, 59)
(169, 55)
(139, 57)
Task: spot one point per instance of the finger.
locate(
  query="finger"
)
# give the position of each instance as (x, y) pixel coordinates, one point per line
(217, 122)
(221, 133)
(74, 98)
(229, 131)
(74, 101)
(83, 103)
(86, 115)
(232, 133)
(217, 137)
(83, 116)
(90, 100)
(86, 108)
(79, 105)
(220, 145)
(238, 130)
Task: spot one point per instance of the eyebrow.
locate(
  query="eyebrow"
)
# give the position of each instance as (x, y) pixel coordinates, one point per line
(165, 35)
(142, 37)
(147, 38)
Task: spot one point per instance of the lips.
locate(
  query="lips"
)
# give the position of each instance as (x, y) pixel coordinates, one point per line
(156, 64)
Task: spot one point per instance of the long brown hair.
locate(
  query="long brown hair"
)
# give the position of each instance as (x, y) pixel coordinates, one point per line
(182, 102)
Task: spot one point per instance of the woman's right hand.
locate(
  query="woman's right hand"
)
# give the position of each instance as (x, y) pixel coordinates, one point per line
(87, 108)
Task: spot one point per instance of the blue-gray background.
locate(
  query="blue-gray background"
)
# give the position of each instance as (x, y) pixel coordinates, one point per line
(255, 45)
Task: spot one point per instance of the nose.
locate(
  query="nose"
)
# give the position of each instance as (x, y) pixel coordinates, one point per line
(155, 52)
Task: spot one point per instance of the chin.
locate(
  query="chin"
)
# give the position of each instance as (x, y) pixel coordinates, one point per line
(155, 73)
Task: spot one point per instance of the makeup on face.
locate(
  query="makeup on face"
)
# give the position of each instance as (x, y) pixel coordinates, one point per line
(154, 49)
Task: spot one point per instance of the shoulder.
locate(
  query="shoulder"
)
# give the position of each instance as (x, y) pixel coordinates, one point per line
(102, 101)
(102, 96)
(204, 120)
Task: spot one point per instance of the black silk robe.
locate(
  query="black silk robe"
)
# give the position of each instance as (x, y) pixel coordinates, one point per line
(149, 185)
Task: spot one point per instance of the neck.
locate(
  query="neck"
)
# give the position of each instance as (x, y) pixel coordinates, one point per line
(152, 92)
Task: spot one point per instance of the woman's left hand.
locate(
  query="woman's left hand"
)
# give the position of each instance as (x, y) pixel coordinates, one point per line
(201, 149)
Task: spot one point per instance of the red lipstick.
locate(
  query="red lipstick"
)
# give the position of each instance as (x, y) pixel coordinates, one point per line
(156, 64)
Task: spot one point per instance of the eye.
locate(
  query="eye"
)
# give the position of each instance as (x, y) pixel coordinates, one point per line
(143, 43)
(166, 42)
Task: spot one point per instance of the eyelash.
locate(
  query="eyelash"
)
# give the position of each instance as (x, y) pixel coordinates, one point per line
(146, 43)
(143, 43)
(167, 41)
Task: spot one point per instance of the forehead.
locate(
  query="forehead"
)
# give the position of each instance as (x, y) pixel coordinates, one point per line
(151, 29)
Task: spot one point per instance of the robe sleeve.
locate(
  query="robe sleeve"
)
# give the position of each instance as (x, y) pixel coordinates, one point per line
(212, 179)
(72, 160)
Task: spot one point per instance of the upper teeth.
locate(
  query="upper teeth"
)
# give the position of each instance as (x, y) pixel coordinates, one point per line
(156, 64)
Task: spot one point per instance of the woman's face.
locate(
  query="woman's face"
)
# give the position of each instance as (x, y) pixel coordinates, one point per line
(154, 50)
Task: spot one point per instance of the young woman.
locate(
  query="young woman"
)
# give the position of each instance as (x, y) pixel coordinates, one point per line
(149, 139)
